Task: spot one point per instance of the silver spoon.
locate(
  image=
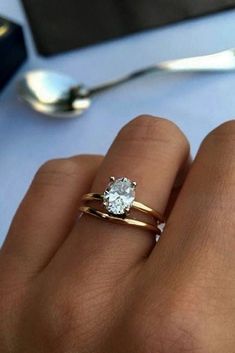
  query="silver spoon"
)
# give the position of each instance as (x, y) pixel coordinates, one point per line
(60, 96)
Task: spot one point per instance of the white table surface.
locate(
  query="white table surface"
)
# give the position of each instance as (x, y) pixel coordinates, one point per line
(197, 103)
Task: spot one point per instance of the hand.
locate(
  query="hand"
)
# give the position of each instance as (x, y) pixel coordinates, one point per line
(89, 286)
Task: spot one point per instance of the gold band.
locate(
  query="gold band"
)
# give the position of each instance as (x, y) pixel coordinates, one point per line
(136, 205)
(128, 221)
(158, 218)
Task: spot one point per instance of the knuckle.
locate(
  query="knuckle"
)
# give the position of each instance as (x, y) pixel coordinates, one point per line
(158, 332)
(55, 322)
(224, 134)
(57, 171)
(182, 316)
(67, 318)
(176, 322)
(216, 154)
(149, 128)
(59, 165)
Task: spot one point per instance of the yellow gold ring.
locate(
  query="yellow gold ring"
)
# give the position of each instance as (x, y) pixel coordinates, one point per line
(118, 199)
(136, 205)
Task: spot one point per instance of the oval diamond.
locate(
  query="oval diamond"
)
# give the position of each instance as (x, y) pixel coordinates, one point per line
(119, 196)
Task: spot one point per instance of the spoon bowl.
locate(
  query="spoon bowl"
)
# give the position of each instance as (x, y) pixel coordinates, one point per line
(52, 94)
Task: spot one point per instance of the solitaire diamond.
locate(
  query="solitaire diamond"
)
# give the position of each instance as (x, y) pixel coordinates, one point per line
(119, 196)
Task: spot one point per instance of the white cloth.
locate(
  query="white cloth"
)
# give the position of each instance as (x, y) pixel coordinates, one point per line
(196, 102)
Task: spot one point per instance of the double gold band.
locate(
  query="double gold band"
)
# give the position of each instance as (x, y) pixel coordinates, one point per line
(157, 217)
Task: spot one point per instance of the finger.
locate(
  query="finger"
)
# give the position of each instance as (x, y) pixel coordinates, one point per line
(47, 213)
(179, 182)
(150, 151)
(200, 230)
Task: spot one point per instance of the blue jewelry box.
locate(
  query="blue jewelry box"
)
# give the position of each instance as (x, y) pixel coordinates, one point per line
(12, 50)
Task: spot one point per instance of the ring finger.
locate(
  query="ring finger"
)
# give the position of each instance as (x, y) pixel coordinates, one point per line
(150, 151)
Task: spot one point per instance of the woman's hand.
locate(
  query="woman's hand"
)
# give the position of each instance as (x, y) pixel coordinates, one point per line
(88, 286)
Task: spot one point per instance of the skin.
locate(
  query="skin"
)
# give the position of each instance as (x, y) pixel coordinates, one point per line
(87, 286)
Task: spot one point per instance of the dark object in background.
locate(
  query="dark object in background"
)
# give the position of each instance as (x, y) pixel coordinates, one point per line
(60, 25)
(12, 50)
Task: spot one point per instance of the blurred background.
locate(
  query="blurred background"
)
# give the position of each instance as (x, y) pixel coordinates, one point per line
(95, 42)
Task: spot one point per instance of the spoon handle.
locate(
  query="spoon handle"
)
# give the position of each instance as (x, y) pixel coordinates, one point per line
(221, 61)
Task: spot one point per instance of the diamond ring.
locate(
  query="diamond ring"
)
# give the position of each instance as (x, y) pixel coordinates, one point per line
(118, 200)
